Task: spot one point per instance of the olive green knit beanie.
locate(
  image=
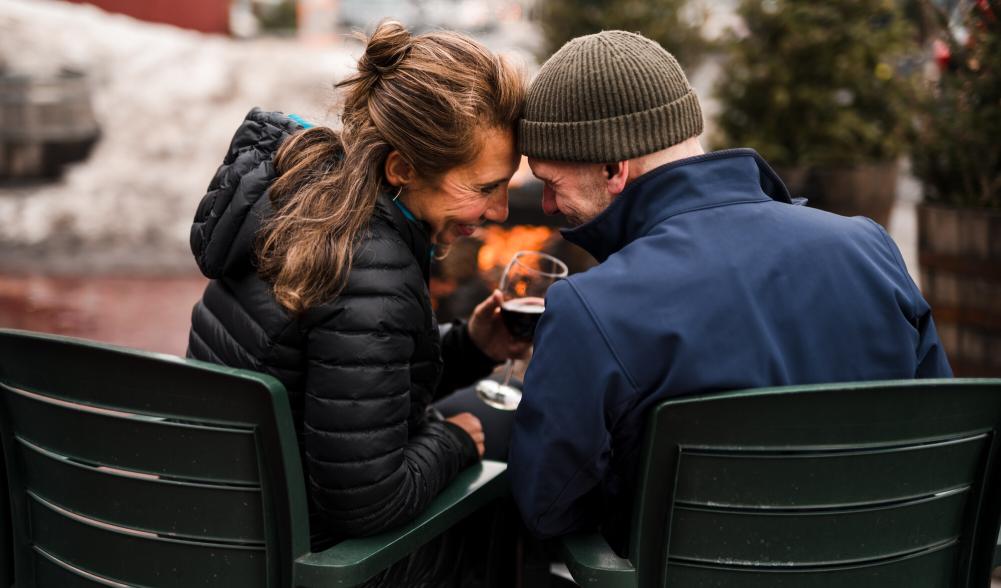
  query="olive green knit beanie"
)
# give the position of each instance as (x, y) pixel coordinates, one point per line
(608, 97)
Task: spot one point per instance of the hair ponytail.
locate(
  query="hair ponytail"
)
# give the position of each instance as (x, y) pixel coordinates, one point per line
(423, 96)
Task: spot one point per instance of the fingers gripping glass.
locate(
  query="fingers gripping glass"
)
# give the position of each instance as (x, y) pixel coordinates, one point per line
(523, 286)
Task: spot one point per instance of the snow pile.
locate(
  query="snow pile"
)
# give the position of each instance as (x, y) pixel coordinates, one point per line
(168, 102)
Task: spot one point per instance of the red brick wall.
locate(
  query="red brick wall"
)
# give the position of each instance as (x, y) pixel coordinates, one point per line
(207, 16)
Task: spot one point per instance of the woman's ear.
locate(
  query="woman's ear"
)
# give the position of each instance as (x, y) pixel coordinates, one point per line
(398, 171)
(616, 175)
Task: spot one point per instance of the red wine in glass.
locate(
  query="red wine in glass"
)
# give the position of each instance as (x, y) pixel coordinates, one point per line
(521, 315)
(523, 286)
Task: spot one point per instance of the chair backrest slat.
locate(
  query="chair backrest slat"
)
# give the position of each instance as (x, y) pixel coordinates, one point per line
(815, 537)
(145, 502)
(134, 469)
(933, 569)
(136, 442)
(805, 477)
(50, 571)
(834, 485)
(144, 559)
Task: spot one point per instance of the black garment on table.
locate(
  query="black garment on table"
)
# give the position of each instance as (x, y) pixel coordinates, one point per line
(361, 370)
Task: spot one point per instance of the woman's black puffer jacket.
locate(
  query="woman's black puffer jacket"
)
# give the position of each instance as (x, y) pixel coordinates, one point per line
(360, 370)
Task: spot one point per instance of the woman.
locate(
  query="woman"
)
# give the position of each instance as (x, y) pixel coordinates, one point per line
(319, 245)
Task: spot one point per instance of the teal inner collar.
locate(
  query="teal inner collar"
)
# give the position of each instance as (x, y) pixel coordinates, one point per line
(302, 122)
(406, 211)
(410, 217)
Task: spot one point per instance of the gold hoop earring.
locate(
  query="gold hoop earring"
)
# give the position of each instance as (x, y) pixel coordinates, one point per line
(398, 192)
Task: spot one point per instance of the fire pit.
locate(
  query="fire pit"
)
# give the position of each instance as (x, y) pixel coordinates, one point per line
(474, 265)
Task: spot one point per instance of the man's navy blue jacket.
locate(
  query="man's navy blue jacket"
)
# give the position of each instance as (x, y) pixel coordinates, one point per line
(710, 279)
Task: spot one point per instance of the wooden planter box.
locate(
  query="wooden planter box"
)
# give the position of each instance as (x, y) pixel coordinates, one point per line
(45, 123)
(860, 190)
(960, 255)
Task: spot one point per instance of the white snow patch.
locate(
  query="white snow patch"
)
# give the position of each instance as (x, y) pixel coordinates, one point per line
(168, 102)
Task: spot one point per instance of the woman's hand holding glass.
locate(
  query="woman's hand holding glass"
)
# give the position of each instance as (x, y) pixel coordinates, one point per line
(491, 336)
(519, 304)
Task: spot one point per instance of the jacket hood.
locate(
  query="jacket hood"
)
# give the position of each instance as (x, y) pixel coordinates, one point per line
(228, 217)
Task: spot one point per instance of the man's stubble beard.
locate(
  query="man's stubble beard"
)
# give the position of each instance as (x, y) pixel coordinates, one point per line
(596, 199)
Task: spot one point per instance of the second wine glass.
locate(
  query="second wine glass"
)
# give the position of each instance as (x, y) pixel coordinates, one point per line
(523, 286)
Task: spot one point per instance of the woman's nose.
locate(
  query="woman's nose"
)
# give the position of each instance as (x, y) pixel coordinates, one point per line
(497, 211)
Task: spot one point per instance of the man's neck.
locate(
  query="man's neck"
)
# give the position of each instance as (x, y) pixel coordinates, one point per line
(688, 148)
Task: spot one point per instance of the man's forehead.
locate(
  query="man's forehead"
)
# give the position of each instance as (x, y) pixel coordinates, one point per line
(550, 167)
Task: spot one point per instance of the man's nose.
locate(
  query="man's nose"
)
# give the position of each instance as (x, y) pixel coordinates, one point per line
(549, 200)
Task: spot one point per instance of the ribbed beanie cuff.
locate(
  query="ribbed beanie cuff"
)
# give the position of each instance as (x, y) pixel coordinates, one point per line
(613, 139)
(608, 97)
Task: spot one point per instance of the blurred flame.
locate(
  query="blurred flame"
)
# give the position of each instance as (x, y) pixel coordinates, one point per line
(500, 244)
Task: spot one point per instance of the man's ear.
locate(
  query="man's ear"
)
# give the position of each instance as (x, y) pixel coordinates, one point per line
(398, 170)
(616, 175)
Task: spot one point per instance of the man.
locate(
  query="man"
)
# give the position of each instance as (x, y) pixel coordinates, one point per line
(710, 278)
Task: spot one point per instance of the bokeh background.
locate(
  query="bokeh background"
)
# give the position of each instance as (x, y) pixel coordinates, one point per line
(115, 113)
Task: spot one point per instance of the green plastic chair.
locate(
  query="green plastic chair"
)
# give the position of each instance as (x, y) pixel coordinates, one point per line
(138, 469)
(853, 485)
(6, 536)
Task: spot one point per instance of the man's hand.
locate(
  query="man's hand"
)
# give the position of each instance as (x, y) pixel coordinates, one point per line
(468, 422)
(487, 330)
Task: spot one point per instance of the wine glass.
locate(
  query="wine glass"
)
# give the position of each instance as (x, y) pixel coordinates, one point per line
(527, 277)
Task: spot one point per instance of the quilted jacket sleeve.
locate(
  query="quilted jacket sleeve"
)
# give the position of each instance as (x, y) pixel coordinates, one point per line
(367, 470)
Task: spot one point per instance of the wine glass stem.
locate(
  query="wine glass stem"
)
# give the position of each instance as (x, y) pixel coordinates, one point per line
(509, 367)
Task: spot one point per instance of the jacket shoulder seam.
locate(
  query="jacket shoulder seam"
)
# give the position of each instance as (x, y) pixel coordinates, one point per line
(604, 335)
(899, 262)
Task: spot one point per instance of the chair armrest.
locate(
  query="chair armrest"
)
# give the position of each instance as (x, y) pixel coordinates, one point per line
(590, 560)
(353, 561)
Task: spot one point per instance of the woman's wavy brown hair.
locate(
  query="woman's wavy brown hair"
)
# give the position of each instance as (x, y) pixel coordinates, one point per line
(425, 96)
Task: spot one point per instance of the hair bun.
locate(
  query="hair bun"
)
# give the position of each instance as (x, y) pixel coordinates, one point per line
(386, 48)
